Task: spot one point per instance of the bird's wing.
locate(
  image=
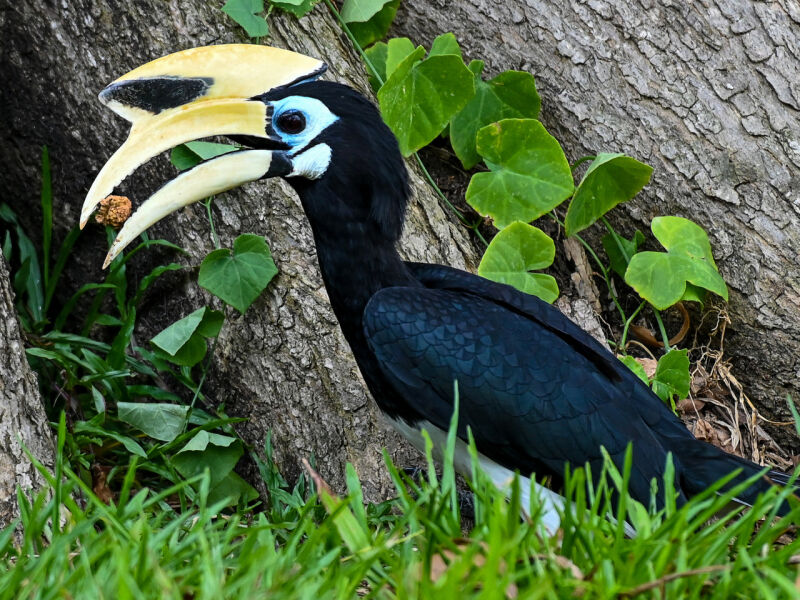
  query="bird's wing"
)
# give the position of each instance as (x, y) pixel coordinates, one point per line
(535, 396)
(648, 406)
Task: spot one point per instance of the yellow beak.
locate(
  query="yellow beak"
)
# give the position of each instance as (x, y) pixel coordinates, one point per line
(196, 93)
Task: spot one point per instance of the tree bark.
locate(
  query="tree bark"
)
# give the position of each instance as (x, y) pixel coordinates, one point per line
(285, 364)
(22, 418)
(706, 92)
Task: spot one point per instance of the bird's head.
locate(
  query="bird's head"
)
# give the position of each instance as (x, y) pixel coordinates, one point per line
(324, 138)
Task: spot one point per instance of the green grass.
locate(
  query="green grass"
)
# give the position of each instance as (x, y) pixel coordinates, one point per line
(175, 531)
(164, 544)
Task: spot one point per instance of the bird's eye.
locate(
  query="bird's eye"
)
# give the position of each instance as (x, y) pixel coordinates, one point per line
(292, 121)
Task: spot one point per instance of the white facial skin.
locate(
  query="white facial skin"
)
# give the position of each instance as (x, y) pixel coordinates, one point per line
(313, 162)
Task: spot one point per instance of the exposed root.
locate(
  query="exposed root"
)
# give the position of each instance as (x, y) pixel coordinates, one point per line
(718, 410)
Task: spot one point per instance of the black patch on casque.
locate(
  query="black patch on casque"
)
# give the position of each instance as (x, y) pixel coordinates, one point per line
(155, 94)
(308, 77)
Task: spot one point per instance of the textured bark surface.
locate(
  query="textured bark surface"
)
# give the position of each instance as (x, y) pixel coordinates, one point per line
(284, 364)
(706, 92)
(22, 418)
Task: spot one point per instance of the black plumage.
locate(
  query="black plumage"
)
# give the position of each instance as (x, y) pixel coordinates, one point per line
(537, 391)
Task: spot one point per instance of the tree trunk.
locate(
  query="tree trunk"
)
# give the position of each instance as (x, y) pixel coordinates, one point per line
(22, 418)
(708, 93)
(285, 364)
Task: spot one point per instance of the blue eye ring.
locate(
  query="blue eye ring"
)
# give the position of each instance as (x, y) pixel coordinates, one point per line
(291, 122)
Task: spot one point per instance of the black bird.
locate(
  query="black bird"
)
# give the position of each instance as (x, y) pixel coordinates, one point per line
(536, 390)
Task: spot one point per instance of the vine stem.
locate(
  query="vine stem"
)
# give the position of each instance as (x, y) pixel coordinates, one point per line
(580, 161)
(624, 341)
(425, 172)
(661, 328)
(617, 239)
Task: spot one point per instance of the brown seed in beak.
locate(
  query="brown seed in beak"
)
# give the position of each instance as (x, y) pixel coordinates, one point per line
(113, 211)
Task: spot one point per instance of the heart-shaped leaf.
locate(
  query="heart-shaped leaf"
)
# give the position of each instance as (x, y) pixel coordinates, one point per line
(515, 252)
(183, 342)
(620, 250)
(397, 50)
(672, 377)
(233, 488)
(359, 11)
(377, 55)
(160, 421)
(247, 14)
(203, 438)
(529, 175)
(610, 180)
(420, 96)
(445, 44)
(694, 294)
(220, 461)
(635, 366)
(377, 27)
(239, 277)
(661, 277)
(511, 94)
(299, 8)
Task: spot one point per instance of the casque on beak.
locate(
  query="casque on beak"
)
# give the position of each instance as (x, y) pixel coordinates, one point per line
(189, 95)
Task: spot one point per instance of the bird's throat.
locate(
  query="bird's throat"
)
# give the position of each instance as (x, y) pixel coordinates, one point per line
(354, 267)
(356, 257)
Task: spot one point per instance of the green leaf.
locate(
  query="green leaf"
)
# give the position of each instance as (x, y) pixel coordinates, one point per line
(377, 27)
(191, 353)
(683, 236)
(529, 175)
(635, 366)
(107, 321)
(244, 12)
(509, 95)
(172, 339)
(298, 8)
(211, 324)
(377, 55)
(672, 377)
(397, 50)
(620, 257)
(610, 180)
(98, 401)
(239, 277)
(130, 444)
(513, 253)
(694, 294)
(64, 252)
(420, 96)
(28, 280)
(661, 277)
(203, 438)
(7, 246)
(234, 488)
(160, 421)
(183, 343)
(359, 11)
(445, 44)
(190, 154)
(220, 460)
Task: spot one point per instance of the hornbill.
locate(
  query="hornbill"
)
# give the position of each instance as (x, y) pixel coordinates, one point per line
(536, 390)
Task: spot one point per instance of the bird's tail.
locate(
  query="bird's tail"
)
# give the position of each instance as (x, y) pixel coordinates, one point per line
(703, 464)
